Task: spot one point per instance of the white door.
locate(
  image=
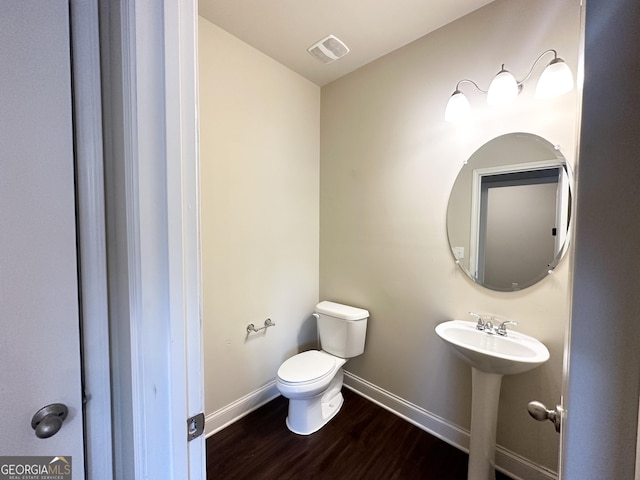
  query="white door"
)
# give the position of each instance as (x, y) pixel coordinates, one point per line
(39, 305)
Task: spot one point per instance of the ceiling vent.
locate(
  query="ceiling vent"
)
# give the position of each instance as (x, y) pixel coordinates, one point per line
(328, 49)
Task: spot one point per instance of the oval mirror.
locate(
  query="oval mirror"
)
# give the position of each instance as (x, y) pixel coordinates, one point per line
(509, 212)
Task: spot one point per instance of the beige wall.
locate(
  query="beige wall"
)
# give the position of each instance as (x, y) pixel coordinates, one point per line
(388, 161)
(260, 201)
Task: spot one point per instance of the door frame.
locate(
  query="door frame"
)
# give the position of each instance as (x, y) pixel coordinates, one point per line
(136, 134)
(149, 72)
(91, 233)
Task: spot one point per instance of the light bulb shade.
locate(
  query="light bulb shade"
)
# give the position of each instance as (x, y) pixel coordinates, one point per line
(503, 89)
(458, 108)
(555, 80)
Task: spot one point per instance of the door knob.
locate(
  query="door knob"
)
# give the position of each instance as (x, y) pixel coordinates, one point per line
(48, 420)
(540, 412)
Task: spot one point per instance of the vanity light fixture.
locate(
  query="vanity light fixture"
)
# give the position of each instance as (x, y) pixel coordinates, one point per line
(555, 80)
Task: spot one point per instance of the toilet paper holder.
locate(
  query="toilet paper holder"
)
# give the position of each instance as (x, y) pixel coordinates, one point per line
(251, 328)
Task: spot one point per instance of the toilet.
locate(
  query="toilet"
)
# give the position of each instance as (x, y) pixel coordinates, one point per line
(312, 380)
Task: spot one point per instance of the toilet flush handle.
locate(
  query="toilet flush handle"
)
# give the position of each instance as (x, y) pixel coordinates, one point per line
(317, 317)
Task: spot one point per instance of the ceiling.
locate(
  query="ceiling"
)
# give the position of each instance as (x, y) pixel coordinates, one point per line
(284, 29)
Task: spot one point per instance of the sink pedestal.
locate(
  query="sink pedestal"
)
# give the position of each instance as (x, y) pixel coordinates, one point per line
(497, 353)
(484, 416)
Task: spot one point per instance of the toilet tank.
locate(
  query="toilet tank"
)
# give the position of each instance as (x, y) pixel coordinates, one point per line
(342, 329)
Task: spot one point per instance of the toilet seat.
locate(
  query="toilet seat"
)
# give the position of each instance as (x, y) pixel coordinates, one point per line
(307, 367)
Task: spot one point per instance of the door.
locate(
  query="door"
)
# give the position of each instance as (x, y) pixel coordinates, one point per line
(39, 301)
(517, 221)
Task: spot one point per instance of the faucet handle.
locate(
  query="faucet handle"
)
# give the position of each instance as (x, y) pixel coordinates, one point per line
(480, 324)
(502, 329)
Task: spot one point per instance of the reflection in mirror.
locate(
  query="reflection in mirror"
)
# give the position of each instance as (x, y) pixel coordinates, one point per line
(509, 211)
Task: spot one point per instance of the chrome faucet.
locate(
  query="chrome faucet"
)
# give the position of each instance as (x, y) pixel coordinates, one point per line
(488, 324)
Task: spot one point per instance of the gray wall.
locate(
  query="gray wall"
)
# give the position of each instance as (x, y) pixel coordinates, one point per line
(605, 358)
(388, 161)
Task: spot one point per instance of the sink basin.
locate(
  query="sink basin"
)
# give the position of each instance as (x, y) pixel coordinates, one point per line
(492, 353)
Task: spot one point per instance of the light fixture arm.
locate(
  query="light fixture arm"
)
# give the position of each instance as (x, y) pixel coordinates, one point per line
(555, 57)
(471, 82)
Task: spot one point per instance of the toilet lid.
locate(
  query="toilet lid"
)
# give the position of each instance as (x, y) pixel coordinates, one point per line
(306, 367)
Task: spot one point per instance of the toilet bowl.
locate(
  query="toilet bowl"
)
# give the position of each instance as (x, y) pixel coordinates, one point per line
(312, 380)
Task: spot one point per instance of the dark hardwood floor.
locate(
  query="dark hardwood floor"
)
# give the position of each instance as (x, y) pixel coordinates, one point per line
(364, 441)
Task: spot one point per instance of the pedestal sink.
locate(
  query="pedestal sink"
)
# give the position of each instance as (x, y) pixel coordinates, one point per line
(491, 356)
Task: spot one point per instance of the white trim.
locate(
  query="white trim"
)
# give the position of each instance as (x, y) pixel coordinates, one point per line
(563, 203)
(151, 162)
(421, 418)
(520, 468)
(566, 347)
(183, 204)
(508, 462)
(233, 412)
(87, 118)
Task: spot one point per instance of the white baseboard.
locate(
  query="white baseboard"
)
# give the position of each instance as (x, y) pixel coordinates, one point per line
(216, 421)
(507, 462)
